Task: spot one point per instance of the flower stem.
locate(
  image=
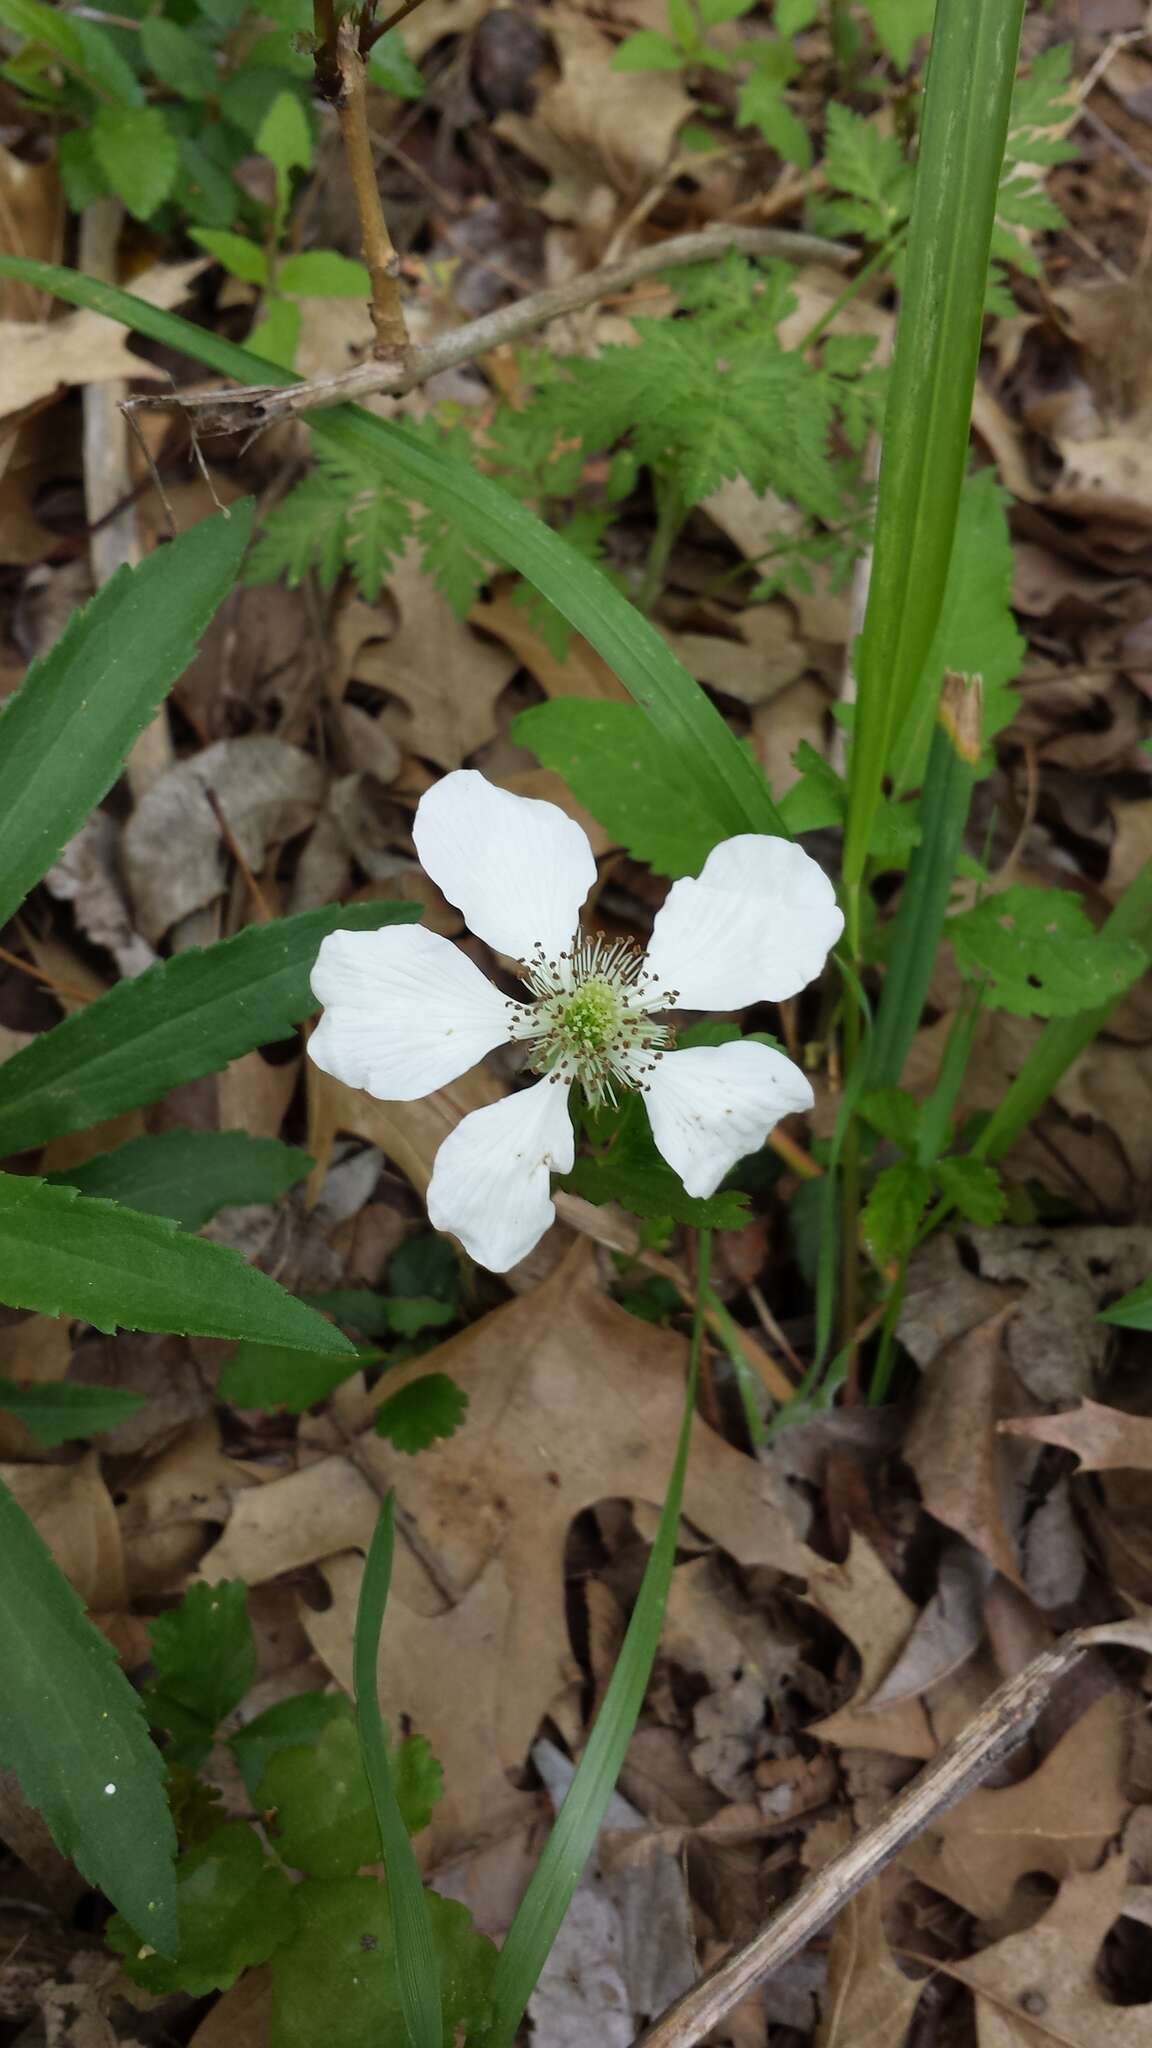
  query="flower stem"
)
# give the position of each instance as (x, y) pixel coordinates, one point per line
(669, 519)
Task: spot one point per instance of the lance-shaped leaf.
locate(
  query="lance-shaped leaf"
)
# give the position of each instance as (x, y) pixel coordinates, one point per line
(65, 732)
(72, 1730)
(190, 1175)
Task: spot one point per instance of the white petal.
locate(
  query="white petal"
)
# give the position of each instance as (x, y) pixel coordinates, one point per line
(711, 1105)
(490, 1184)
(516, 867)
(405, 1012)
(755, 926)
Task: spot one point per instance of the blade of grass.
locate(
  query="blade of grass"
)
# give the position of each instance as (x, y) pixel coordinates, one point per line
(943, 811)
(417, 1963)
(573, 1838)
(925, 445)
(722, 769)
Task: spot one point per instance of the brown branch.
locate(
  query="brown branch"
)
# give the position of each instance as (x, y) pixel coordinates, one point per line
(258, 406)
(1002, 1723)
(378, 251)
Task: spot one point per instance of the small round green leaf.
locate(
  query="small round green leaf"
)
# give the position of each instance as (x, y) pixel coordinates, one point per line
(236, 1908)
(337, 1981)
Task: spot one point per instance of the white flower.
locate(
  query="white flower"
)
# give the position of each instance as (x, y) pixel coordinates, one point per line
(405, 1012)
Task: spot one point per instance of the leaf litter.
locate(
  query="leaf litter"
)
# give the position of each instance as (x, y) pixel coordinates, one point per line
(838, 1610)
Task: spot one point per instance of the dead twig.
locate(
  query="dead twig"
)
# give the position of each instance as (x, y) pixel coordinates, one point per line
(258, 406)
(1001, 1725)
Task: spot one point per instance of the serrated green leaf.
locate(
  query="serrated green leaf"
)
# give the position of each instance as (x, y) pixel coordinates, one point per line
(974, 1188)
(899, 25)
(185, 1017)
(236, 1909)
(241, 258)
(793, 15)
(392, 69)
(40, 23)
(1133, 1311)
(894, 1114)
(277, 334)
(72, 1730)
(325, 1822)
(65, 732)
(190, 1175)
(284, 136)
(1039, 955)
(762, 105)
(357, 1308)
(425, 1265)
(64, 1253)
(633, 1173)
(423, 1412)
(894, 1207)
(408, 1316)
(178, 59)
(80, 174)
(647, 50)
(323, 274)
(715, 11)
(337, 1980)
(291, 1724)
(268, 1376)
(627, 775)
(138, 154)
(61, 1410)
(204, 1661)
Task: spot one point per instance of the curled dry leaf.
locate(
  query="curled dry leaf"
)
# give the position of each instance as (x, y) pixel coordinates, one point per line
(946, 1633)
(763, 658)
(87, 876)
(175, 859)
(864, 1601)
(42, 356)
(581, 673)
(408, 1133)
(72, 1509)
(966, 1477)
(869, 2000)
(1056, 1821)
(1104, 1439)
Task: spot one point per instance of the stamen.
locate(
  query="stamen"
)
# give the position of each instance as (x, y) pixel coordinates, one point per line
(591, 1018)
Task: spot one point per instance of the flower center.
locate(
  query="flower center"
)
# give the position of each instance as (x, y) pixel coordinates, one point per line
(590, 1020)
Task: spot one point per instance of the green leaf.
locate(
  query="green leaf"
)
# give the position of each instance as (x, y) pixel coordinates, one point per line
(182, 1018)
(647, 50)
(278, 332)
(424, 1411)
(425, 1265)
(1133, 1311)
(190, 1175)
(392, 69)
(976, 634)
(236, 1909)
(400, 458)
(178, 59)
(72, 1730)
(268, 1376)
(925, 446)
(1040, 954)
(290, 1724)
(793, 15)
(408, 1316)
(64, 1253)
(714, 11)
(630, 778)
(138, 154)
(204, 1661)
(633, 1173)
(418, 1779)
(899, 24)
(240, 257)
(322, 274)
(898, 1199)
(284, 136)
(337, 1981)
(973, 1188)
(762, 105)
(80, 174)
(65, 732)
(357, 1308)
(325, 1822)
(894, 1114)
(62, 1410)
(39, 23)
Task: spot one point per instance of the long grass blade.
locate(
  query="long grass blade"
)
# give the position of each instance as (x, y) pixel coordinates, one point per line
(573, 1838)
(723, 770)
(417, 1962)
(969, 89)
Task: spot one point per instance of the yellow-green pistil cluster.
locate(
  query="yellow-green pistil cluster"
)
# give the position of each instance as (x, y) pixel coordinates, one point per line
(591, 1021)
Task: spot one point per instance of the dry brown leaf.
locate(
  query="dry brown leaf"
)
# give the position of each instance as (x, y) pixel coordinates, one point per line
(1055, 1343)
(328, 1507)
(754, 521)
(867, 1605)
(1040, 1987)
(87, 876)
(42, 356)
(799, 713)
(242, 2018)
(592, 127)
(1104, 1439)
(72, 1508)
(175, 858)
(581, 673)
(966, 1479)
(408, 1133)
(758, 660)
(947, 1631)
(447, 679)
(31, 223)
(869, 2000)
(33, 1351)
(1057, 1820)
(253, 1095)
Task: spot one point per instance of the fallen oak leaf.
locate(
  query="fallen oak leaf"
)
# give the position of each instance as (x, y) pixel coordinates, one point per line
(962, 1464)
(869, 1999)
(1104, 1439)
